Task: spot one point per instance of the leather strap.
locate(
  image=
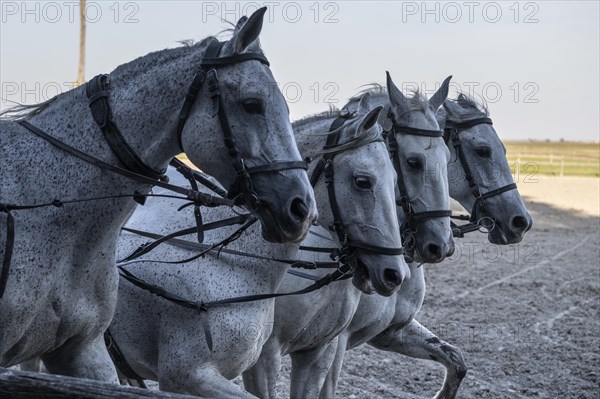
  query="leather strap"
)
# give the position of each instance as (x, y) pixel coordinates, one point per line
(196, 196)
(146, 248)
(119, 359)
(194, 246)
(98, 93)
(416, 131)
(8, 249)
(451, 133)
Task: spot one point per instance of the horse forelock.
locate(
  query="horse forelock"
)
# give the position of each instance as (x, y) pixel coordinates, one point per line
(466, 108)
(353, 141)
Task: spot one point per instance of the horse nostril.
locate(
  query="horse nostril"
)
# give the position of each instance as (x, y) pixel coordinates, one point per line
(393, 276)
(519, 222)
(435, 249)
(299, 209)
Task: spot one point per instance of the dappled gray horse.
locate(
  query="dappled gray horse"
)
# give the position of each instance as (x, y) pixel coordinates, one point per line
(59, 291)
(306, 326)
(199, 352)
(389, 323)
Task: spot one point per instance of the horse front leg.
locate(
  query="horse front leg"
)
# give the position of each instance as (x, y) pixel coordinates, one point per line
(261, 379)
(331, 380)
(416, 341)
(309, 369)
(204, 382)
(83, 359)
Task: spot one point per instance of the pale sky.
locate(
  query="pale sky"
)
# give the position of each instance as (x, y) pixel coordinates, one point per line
(536, 63)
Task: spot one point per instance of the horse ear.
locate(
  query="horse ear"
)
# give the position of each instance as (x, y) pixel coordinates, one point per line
(248, 30)
(440, 96)
(396, 96)
(364, 103)
(370, 119)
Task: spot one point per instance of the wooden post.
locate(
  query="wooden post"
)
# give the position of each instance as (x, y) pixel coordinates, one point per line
(81, 65)
(16, 384)
(562, 168)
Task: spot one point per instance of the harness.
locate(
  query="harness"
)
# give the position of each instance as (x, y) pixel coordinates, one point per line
(97, 90)
(413, 219)
(451, 133)
(341, 256)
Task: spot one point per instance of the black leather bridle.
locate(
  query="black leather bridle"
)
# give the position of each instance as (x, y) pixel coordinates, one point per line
(451, 133)
(326, 166)
(242, 189)
(411, 223)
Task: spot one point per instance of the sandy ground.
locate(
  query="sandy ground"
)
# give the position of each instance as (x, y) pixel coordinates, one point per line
(525, 316)
(579, 194)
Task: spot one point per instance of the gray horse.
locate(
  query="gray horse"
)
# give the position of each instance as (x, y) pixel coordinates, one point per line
(389, 323)
(165, 342)
(61, 284)
(306, 326)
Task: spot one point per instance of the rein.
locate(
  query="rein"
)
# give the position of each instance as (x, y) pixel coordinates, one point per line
(340, 256)
(451, 133)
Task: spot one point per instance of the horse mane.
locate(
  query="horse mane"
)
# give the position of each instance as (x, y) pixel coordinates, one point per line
(417, 100)
(365, 136)
(331, 112)
(154, 59)
(374, 89)
(20, 111)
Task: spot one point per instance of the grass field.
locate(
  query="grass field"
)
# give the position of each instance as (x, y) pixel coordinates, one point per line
(553, 158)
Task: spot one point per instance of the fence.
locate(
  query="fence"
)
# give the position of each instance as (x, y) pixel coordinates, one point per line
(531, 164)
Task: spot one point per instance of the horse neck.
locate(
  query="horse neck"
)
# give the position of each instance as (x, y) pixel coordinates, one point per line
(145, 104)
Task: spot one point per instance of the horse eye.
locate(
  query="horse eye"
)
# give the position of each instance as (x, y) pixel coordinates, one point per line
(363, 182)
(414, 163)
(253, 106)
(484, 152)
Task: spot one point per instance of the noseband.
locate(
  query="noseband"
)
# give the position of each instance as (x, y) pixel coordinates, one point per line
(451, 132)
(326, 166)
(410, 225)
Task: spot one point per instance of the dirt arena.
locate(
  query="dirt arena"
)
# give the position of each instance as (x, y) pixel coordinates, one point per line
(525, 316)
